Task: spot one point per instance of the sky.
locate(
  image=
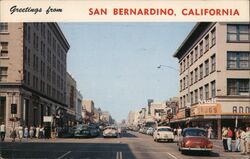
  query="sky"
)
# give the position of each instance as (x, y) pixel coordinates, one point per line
(115, 64)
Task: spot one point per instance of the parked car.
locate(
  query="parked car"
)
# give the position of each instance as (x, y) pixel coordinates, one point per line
(110, 131)
(150, 131)
(140, 130)
(194, 139)
(94, 132)
(82, 131)
(163, 133)
(144, 130)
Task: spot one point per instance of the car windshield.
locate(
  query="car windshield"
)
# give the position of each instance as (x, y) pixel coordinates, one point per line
(164, 129)
(195, 132)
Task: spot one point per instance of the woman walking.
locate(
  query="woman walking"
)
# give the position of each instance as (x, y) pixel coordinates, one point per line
(237, 140)
(31, 132)
(20, 133)
(37, 131)
(26, 132)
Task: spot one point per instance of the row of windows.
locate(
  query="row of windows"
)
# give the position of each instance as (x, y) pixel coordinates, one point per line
(201, 94)
(56, 46)
(239, 87)
(194, 76)
(199, 50)
(51, 91)
(56, 64)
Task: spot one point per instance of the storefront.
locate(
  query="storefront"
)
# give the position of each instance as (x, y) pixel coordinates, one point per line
(215, 115)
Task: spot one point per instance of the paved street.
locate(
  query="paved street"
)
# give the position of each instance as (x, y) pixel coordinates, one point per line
(130, 146)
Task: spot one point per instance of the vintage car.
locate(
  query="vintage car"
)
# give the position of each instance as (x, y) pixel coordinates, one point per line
(194, 139)
(110, 131)
(163, 133)
(82, 131)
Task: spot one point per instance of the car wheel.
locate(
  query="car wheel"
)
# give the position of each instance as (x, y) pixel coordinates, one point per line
(183, 152)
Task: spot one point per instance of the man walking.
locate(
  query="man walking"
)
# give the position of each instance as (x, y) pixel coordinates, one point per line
(229, 139)
(2, 131)
(224, 138)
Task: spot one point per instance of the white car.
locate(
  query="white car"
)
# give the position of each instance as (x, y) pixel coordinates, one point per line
(110, 131)
(163, 133)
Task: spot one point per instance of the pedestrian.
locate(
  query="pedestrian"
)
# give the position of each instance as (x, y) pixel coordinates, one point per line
(2, 131)
(224, 138)
(229, 139)
(31, 131)
(209, 132)
(26, 132)
(247, 140)
(47, 132)
(37, 131)
(41, 132)
(237, 140)
(243, 142)
(20, 133)
(13, 134)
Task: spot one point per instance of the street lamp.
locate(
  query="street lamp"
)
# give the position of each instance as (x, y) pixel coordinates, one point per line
(167, 67)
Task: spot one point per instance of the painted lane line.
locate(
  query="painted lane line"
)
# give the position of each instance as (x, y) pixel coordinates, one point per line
(172, 156)
(117, 155)
(64, 155)
(120, 155)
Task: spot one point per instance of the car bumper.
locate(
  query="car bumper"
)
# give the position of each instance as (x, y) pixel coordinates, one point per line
(110, 135)
(196, 149)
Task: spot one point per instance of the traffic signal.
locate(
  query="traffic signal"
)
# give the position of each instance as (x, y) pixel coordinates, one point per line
(13, 108)
(187, 112)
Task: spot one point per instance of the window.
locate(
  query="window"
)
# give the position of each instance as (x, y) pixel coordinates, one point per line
(213, 63)
(184, 83)
(180, 102)
(54, 61)
(213, 89)
(28, 78)
(196, 75)
(3, 74)
(4, 49)
(180, 85)
(196, 96)
(191, 58)
(187, 81)
(206, 43)
(238, 60)
(181, 67)
(187, 61)
(238, 87)
(201, 71)
(238, 32)
(201, 93)
(191, 78)
(29, 34)
(213, 40)
(3, 27)
(192, 98)
(201, 48)
(206, 91)
(184, 65)
(206, 67)
(48, 90)
(49, 37)
(196, 53)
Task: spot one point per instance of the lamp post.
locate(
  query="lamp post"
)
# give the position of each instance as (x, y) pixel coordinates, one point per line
(170, 67)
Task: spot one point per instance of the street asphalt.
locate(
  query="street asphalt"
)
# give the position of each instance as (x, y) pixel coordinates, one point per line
(130, 146)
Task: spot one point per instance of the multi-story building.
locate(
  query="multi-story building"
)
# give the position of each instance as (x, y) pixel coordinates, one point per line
(32, 71)
(215, 75)
(71, 98)
(79, 106)
(89, 106)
